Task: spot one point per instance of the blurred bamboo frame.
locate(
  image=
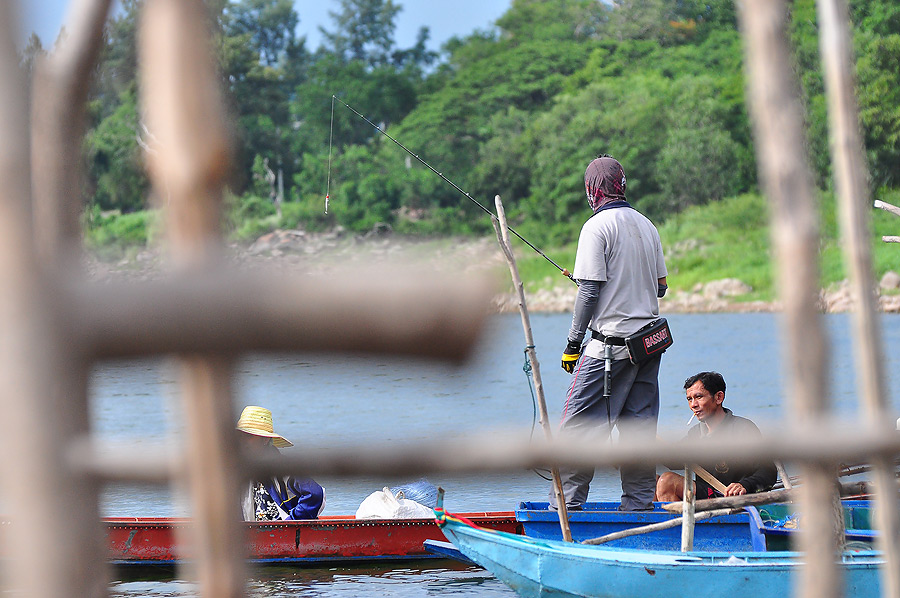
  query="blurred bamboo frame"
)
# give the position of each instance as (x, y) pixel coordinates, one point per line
(56, 323)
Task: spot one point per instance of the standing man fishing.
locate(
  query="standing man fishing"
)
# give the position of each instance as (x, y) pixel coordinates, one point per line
(621, 273)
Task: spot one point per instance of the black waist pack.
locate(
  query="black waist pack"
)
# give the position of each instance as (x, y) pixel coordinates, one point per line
(650, 341)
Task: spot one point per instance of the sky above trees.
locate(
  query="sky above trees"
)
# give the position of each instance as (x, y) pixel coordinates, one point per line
(443, 19)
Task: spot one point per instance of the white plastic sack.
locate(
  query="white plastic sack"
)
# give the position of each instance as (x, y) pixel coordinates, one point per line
(382, 504)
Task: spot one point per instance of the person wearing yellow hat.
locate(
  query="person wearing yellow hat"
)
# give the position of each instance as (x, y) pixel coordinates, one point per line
(276, 498)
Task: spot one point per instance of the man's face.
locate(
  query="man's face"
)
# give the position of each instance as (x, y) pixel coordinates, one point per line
(704, 405)
(252, 442)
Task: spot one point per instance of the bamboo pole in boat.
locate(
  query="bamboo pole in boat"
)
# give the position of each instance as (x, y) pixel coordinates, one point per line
(502, 230)
(783, 474)
(777, 119)
(772, 496)
(883, 205)
(188, 161)
(655, 527)
(687, 512)
(851, 179)
(744, 500)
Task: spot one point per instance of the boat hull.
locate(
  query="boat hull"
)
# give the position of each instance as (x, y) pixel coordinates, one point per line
(764, 528)
(155, 541)
(595, 519)
(537, 568)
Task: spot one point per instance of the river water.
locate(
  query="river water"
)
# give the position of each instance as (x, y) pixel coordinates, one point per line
(325, 400)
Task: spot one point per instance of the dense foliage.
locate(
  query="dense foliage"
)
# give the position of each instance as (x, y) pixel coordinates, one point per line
(517, 110)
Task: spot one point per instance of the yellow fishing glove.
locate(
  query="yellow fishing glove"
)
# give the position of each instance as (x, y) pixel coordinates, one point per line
(570, 356)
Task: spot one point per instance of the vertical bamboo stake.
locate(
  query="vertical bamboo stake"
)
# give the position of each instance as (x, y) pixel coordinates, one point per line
(186, 116)
(60, 89)
(687, 512)
(784, 171)
(852, 189)
(502, 231)
(37, 371)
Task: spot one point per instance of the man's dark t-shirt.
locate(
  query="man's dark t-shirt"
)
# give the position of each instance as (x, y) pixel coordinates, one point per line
(756, 477)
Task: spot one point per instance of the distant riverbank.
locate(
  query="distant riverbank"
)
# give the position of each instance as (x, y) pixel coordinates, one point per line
(296, 250)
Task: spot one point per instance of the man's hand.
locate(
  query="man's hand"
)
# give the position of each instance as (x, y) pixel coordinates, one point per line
(735, 489)
(570, 356)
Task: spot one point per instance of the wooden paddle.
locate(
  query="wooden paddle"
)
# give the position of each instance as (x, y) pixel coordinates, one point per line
(709, 478)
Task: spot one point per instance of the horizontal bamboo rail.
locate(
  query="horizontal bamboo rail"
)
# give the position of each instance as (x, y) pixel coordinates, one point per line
(493, 451)
(408, 312)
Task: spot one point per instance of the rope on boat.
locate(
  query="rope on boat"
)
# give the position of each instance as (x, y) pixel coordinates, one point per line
(528, 369)
(442, 517)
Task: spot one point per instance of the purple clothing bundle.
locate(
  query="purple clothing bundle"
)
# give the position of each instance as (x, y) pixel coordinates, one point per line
(299, 498)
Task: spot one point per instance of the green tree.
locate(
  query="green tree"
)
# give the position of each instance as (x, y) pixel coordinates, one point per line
(117, 69)
(262, 63)
(879, 103)
(115, 163)
(699, 161)
(269, 26)
(624, 117)
(33, 50)
(529, 20)
(364, 31)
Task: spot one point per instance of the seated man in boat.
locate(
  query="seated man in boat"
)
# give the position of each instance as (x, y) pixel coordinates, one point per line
(278, 498)
(705, 394)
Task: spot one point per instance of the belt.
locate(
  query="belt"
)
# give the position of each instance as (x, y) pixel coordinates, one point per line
(609, 340)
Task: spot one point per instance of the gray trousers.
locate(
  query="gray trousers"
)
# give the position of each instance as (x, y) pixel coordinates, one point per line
(633, 409)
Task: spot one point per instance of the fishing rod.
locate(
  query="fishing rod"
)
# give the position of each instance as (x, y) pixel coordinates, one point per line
(445, 179)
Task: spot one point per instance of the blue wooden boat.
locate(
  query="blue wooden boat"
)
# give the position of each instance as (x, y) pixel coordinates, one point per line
(761, 529)
(537, 568)
(595, 519)
(778, 524)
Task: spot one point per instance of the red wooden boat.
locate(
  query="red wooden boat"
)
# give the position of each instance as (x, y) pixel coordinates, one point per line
(154, 540)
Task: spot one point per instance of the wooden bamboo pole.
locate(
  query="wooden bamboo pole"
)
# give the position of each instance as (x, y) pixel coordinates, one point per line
(687, 512)
(60, 89)
(883, 205)
(497, 452)
(851, 180)
(502, 230)
(655, 527)
(185, 113)
(708, 478)
(769, 497)
(892, 209)
(65, 558)
(784, 171)
(783, 474)
(218, 310)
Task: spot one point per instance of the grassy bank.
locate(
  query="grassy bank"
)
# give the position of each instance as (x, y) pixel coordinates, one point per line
(726, 239)
(730, 239)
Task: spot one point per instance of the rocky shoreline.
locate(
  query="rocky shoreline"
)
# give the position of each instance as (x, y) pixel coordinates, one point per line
(297, 250)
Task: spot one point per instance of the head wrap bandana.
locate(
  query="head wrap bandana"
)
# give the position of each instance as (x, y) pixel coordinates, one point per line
(604, 182)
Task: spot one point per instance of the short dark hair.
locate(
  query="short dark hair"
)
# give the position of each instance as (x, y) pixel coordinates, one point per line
(712, 381)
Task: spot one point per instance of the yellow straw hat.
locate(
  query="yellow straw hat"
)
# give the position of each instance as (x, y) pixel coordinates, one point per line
(258, 421)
